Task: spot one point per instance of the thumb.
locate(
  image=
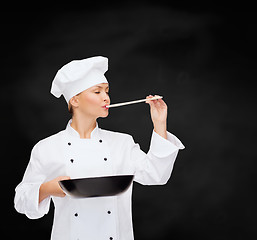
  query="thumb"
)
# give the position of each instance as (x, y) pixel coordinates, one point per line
(63, 178)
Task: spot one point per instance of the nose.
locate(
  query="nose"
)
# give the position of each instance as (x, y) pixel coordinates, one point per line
(106, 98)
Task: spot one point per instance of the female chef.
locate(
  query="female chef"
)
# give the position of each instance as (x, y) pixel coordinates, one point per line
(85, 150)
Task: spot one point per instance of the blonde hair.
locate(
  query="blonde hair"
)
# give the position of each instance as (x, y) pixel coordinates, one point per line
(70, 109)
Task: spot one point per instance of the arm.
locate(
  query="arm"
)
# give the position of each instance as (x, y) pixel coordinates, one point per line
(32, 195)
(156, 166)
(51, 188)
(27, 192)
(158, 110)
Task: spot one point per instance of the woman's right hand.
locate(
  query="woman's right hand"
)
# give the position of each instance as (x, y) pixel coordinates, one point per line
(52, 188)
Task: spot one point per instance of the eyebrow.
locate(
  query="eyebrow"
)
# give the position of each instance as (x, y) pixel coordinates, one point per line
(101, 87)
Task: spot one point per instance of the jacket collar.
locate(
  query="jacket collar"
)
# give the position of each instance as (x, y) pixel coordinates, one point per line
(72, 132)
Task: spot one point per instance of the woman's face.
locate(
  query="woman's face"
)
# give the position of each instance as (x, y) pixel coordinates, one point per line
(93, 101)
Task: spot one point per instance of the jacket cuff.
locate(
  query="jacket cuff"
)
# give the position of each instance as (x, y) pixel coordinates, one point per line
(37, 210)
(162, 147)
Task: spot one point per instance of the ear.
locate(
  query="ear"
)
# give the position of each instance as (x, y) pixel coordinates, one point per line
(74, 101)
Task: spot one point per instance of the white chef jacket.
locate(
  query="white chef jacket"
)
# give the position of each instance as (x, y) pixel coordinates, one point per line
(106, 153)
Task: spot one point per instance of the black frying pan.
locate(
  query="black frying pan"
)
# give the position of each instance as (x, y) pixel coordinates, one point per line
(96, 186)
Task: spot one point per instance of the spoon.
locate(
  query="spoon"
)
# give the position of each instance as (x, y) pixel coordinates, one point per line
(132, 102)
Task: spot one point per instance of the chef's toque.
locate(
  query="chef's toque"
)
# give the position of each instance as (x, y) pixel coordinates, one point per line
(79, 75)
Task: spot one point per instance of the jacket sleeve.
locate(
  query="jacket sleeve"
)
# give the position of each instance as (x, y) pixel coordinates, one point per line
(27, 192)
(155, 167)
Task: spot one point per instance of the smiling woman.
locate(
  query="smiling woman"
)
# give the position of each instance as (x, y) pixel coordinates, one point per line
(83, 150)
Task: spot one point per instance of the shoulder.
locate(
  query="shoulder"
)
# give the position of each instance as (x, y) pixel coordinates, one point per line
(49, 141)
(111, 135)
(45, 148)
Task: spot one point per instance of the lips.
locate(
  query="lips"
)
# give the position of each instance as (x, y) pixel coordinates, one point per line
(105, 106)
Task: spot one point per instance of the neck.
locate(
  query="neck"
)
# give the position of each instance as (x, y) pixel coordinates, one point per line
(83, 126)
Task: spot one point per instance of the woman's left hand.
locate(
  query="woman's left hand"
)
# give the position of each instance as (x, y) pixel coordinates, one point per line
(158, 109)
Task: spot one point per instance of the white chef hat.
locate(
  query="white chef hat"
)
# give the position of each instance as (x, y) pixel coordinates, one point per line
(79, 75)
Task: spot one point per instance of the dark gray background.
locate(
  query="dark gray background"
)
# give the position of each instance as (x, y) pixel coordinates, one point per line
(201, 59)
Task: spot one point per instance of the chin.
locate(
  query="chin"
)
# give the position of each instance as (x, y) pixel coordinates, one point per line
(104, 115)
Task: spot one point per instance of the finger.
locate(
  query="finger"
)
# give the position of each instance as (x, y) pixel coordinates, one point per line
(163, 104)
(160, 101)
(156, 101)
(149, 96)
(153, 102)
